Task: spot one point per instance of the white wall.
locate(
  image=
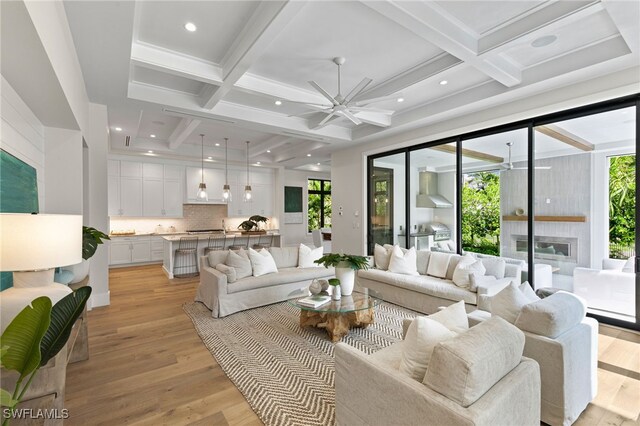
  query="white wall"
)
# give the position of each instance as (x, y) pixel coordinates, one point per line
(63, 170)
(22, 135)
(294, 234)
(348, 167)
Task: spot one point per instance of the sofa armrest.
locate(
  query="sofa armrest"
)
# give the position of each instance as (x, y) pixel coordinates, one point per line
(490, 288)
(213, 285)
(513, 271)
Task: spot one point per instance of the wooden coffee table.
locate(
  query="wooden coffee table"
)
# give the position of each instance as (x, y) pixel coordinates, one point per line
(338, 317)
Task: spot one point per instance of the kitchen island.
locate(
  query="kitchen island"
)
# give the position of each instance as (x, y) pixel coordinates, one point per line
(171, 243)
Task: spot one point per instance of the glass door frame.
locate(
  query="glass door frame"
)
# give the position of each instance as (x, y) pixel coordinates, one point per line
(529, 124)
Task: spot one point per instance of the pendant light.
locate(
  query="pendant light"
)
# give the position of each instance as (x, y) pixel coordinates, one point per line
(226, 189)
(201, 195)
(247, 187)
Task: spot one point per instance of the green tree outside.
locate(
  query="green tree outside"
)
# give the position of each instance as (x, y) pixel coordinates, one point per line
(622, 205)
(481, 213)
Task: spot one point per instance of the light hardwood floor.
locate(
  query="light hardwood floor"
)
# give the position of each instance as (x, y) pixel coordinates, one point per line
(147, 364)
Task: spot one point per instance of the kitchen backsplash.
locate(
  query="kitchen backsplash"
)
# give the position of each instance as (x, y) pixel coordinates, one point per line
(209, 216)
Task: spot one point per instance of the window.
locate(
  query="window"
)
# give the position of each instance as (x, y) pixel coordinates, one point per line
(319, 206)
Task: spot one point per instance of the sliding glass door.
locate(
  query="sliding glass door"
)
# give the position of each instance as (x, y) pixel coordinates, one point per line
(387, 212)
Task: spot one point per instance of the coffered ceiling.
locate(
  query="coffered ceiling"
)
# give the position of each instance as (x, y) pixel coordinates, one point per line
(442, 58)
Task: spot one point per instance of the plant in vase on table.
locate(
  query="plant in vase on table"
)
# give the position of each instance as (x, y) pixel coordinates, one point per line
(346, 266)
(91, 238)
(253, 224)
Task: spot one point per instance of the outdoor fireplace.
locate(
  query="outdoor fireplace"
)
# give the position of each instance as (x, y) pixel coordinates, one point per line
(552, 248)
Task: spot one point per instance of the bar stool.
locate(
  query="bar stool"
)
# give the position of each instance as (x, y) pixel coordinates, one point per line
(185, 258)
(215, 243)
(264, 241)
(240, 241)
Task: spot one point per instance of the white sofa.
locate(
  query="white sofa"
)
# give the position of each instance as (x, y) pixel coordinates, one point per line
(476, 378)
(613, 288)
(224, 298)
(565, 344)
(425, 293)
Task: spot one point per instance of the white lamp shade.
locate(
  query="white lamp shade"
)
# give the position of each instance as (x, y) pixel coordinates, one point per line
(31, 242)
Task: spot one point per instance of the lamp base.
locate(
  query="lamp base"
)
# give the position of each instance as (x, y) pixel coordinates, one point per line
(29, 279)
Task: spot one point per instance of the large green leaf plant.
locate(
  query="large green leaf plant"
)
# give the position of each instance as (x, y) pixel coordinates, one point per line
(35, 336)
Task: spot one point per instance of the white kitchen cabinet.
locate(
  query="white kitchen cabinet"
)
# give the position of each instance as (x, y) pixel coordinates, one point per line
(113, 168)
(128, 250)
(130, 169)
(213, 178)
(157, 248)
(152, 171)
(173, 198)
(262, 200)
(152, 197)
(113, 195)
(130, 196)
(162, 196)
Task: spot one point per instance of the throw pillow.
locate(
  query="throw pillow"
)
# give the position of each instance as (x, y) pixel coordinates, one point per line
(495, 267)
(508, 303)
(422, 336)
(476, 279)
(528, 292)
(454, 317)
(382, 255)
(307, 255)
(240, 261)
(467, 265)
(262, 262)
(403, 263)
(438, 264)
(229, 271)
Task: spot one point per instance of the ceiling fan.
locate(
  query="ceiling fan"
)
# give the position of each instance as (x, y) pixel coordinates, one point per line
(509, 165)
(344, 106)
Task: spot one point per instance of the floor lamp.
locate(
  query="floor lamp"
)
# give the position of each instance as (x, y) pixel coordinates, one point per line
(32, 246)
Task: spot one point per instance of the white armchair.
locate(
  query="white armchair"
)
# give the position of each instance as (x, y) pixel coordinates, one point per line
(476, 378)
(610, 289)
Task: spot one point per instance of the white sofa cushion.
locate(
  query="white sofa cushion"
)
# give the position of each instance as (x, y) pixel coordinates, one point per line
(262, 262)
(466, 266)
(476, 279)
(284, 276)
(382, 255)
(216, 257)
(454, 317)
(285, 257)
(422, 261)
(307, 256)
(528, 292)
(508, 303)
(229, 271)
(438, 264)
(403, 263)
(552, 315)
(629, 265)
(422, 284)
(422, 336)
(466, 367)
(240, 261)
(494, 266)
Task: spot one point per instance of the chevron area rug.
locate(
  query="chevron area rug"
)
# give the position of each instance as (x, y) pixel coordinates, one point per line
(286, 372)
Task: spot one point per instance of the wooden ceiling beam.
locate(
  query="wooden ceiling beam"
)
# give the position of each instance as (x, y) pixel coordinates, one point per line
(565, 136)
(477, 155)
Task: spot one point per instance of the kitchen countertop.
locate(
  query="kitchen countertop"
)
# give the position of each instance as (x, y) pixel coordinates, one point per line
(417, 234)
(206, 236)
(147, 234)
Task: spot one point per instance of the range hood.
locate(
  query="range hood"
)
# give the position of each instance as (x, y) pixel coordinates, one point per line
(428, 195)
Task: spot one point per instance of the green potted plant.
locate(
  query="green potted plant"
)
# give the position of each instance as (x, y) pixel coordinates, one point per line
(251, 226)
(35, 336)
(346, 265)
(91, 239)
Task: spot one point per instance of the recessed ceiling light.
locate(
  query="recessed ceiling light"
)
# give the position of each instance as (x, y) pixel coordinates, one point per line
(150, 152)
(258, 163)
(118, 129)
(317, 164)
(190, 26)
(209, 158)
(217, 144)
(268, 150)
(400, 99)
(443, 82)
(278, 102)
(152, 136)
(308, 155)
(543, 41)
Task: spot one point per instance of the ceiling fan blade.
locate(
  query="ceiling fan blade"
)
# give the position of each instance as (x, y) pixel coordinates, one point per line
(351, 117)
(304, 113)
(375, 118)
(323, 92)
(357, 90)
(371, 109)
(363, 102)
(326, 119)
